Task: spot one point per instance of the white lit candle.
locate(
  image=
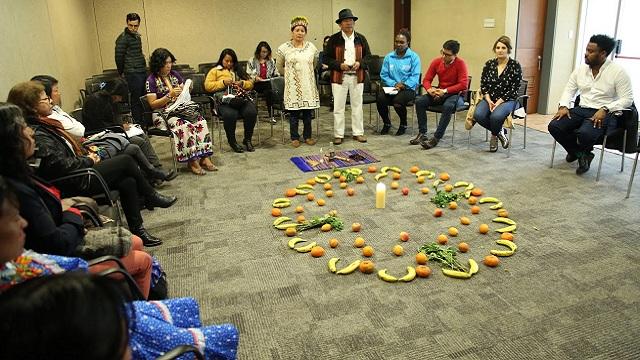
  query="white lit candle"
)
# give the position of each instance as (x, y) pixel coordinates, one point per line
(381, 195)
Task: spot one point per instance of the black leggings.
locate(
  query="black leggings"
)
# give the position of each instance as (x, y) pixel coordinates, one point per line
(230, 116)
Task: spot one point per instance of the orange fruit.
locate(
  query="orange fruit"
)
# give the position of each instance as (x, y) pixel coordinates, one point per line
(395, 185)
(337, 174)
(503, 213)
(329, 193)
(290, 231)
(367, 267)
(483, 229)
(506, 236)
(372, 169)
(423, 271)
(442, 239)
(327, 186)
(275, 212)
(343, 178)
(465, 220)
(453, 205)
(351, 191)
(311, 181)
(448, 187)
(421, 258)
(437, 212)
(398, 250)
(343, 185)
(491, 260)
(326, 227)
(420, 179)
(311, 197)
(360, 180)
(414, 169)
(425, 190)
(317, 251)
(355, 227)
(321, 202)
(367, 251)
(475, 209)
(453, 231)
(463, 247)
(299, 209)
(472, 200)
(333, 243)
(300, 219)
(404, 236)
(444, 176)
(358, 242)
(396, 176)
(290, 193)
(476, 192)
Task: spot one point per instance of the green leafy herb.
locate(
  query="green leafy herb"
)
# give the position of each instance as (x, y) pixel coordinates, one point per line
(446, 256)
(318, 221)
(443, 198)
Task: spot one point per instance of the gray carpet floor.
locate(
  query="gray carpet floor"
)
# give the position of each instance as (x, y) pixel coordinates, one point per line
(570, 291)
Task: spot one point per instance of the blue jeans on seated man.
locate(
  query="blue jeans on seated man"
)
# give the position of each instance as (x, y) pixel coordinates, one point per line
(493, 120)
(577, 134)
(449, 106)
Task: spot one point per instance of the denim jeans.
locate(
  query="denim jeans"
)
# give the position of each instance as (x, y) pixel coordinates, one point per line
(449, 106)
(493, 121)
(306, 121)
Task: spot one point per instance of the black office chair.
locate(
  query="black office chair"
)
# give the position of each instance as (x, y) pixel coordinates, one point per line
(277, 90)
(633, 169)
(147, 114)
(466, 96)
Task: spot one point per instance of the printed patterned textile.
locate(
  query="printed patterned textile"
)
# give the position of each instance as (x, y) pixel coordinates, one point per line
(345, 158)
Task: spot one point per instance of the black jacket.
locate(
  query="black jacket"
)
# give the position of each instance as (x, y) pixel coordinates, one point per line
(129, 57)
(50, 230)
(98, 112)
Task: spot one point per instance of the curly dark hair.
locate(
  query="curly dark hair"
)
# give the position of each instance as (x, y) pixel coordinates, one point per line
(262, 44)
(242, 74)
(12, 143)
(604, 42)
(407, 35)
(157, 59)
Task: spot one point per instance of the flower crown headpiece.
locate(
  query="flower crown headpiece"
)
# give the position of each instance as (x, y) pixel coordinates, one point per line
(299, 21)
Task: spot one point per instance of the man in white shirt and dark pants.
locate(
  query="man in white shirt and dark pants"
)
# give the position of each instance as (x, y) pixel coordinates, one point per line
(604, 88)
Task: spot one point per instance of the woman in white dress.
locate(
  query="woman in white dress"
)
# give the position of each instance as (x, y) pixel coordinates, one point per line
(296, 59)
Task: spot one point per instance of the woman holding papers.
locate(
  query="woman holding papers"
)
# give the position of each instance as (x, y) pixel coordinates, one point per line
(261, 68)
(400, 77)
(190, 133)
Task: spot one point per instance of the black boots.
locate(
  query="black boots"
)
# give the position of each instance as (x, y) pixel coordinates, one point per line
(147, 239)
(158, 200)
(159, 174)
(236, 147)
(248, 145)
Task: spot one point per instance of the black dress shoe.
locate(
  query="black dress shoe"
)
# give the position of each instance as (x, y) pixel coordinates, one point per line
(416, 140)
(249, 146)
(159, 200)
(401, 130)
(584, 163)
(385, 129)
(172, 174)
(430, 144)
(571, 157)
(236, 147)
(147, 239)
(155, 173)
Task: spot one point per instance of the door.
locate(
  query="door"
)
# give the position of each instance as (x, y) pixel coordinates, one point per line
(529, 46)
(401, 16)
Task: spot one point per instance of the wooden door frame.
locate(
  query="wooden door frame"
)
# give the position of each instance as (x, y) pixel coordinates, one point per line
(401, 15)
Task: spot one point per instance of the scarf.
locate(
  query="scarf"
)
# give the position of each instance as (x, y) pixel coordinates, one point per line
(57, 127)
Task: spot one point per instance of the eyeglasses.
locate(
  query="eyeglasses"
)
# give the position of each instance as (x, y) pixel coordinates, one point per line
(47, 99)
(446, 54)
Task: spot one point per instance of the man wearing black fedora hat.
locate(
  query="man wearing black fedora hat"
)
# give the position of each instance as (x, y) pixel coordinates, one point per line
(346, 55)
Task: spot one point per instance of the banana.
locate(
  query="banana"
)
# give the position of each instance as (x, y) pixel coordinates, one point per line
(280, 220)
(281, 200)
(332, 264)
(380, 176)
(461, 183)
(510, 228)
(411, 274)
(436, 183)
(488, 200)
(504, 221)
(473, 266)
(385, 169)
(292, 243)
(349, 268)
(304, 186)
(382, 274)
(467, 194)
(306, 248)
(281, 205)
(431, 175)
(423, 173)
(355, 171)
(510, 244)
(286, 226)
(302, 191)
(456, 274)
(321, 179)
(324, 176)
(469, 187)
(501, 253)
(395, 169)
(496, 206)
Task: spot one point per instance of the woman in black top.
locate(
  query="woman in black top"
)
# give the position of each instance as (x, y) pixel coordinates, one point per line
(499, 85)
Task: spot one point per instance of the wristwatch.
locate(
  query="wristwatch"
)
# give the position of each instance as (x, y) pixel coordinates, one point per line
(606, 109)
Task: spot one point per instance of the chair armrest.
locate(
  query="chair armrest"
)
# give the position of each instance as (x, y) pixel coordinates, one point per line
(136, 294)
(90, 173)
(180, 350)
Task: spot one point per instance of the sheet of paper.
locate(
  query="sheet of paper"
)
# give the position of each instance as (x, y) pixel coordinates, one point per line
(390, 90)
(134, 130)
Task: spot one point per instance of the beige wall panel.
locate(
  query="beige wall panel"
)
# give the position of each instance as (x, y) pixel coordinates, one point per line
(434, 22)
(375, 21)
(110, 19)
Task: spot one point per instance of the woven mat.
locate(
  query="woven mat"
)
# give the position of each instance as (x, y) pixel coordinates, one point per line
(345, 158)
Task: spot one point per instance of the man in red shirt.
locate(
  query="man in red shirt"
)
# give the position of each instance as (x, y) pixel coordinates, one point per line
(452, 79)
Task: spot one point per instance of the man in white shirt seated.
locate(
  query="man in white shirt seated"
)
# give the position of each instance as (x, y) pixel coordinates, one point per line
(70, 125)
(604, 88)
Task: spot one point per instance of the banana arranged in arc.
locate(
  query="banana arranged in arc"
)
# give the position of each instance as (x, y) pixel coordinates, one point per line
(428, 173)
(304, 187)
(470, 187)
(280, 220)
(292, 243)
(349, 268)
(380, 176)
(302, 191)
(286, 226)
(355, 171)
(510, 244)
(473, 267)
(496, 206)
(436, 183)
(504, 220)
(456, 274)
(332, 264)
(460, 184)
(281, 203)
(306, 248)
(510, 228)
(467, 194)
(488, 200)
(411, 274)
(382, 274)
(322, 178)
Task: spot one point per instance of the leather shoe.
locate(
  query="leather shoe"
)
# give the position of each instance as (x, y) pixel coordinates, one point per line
(571, 157)
(159, 200)
(385, 129)
(236, 147)
(337, 141)
(401, 130)
(295, 143)
(584, 163)
(360, 138)
(310, 141)
(148, 240)
(172, 174)
(249, 146)
(420, 137)
(493, 144)
(429, 144)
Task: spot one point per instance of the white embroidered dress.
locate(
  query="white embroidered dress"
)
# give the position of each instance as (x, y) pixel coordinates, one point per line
(300, 91)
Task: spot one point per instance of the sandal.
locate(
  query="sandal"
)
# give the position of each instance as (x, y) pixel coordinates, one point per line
(207, 164)
(196, 169)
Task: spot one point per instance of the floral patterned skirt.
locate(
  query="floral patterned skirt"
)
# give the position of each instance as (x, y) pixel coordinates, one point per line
(192, 140)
